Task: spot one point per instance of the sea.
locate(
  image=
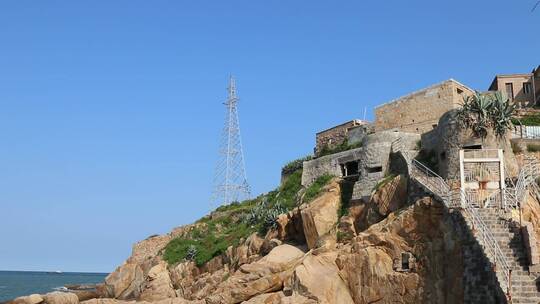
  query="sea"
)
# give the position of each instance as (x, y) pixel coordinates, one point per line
(20, 283)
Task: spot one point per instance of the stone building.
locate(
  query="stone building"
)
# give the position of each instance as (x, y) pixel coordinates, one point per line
(445, 142)
(333, 137)
(523, 89)
(367, 165)
(419, 112)
(519, 88)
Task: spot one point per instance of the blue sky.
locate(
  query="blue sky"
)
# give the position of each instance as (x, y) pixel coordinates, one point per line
(111, 111)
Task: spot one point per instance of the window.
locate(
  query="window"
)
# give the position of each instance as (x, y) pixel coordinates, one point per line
(405, 261)
(527, 88)
(472, 147)
(374, 169)
(510, 90)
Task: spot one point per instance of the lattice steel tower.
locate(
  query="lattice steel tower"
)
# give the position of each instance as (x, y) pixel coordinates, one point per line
(230, 181)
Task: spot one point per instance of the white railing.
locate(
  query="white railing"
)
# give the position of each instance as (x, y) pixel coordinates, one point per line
(529, 132)
(431, 180)
(438, 186)
(489, 242)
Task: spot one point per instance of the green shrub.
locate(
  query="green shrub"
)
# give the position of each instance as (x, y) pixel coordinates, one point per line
(346, 196)
(528, 120)
(295, 165)
(344, 146)
(533, 148)
(315, 188)
(418, 146)
(289, 190)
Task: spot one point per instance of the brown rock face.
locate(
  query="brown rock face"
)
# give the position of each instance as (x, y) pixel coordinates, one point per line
(373, 264)
(31, 299)
(318, 277)
(321, 215)
(400, 256)
(158, 285)
(125, 282)
(61, 298)
(264, 276)
(388, 198)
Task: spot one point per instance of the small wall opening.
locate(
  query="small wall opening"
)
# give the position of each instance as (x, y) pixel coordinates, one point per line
(352, 168)
(405, 265)
(472, 147)
(374, 169)
(349, 168)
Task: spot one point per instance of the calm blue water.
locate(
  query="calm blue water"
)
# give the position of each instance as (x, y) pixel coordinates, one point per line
(20, 283)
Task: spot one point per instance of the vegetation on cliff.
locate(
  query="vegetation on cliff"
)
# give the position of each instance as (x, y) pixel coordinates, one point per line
(344, 146)
(482, 112)
(229, 224)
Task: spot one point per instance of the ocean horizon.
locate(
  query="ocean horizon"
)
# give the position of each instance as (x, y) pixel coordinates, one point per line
(14, 284)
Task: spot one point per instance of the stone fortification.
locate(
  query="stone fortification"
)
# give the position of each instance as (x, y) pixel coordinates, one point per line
(420, 111)
(370, 162)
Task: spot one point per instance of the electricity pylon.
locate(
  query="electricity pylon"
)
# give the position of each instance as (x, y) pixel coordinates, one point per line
(230, 181)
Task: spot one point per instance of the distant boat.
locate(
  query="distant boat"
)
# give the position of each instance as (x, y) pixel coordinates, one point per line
(58, 272)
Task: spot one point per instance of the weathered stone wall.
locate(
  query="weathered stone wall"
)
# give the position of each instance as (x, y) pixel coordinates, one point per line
(372, 158)
(333, 137)
(420, 111)
(448, 138)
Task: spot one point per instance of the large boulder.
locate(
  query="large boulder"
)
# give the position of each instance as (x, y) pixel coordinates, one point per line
(390, 196)
(31, 299)
(158, 284)
(317, 277)
(60, 298)
(372, 265)
(125, 282)
(263, 276)
(321, 215)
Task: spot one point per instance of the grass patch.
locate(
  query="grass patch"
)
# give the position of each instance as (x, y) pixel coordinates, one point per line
(346, 196)
(228, 224)
(315, 188)
(207, 241)
(289, 190)
(527, 120)
(533, 148)
(295, 165)
(344, 146)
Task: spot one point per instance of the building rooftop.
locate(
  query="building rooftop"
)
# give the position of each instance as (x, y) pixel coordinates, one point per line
(494, 82)
(357, 122)
(425, 89)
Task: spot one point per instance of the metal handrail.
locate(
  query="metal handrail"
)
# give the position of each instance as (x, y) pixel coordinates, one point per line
(438, 186)
(488, 240)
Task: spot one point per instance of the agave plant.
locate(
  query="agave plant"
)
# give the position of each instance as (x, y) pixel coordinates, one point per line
(191, 253)
(502, 114)
(482, 112)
